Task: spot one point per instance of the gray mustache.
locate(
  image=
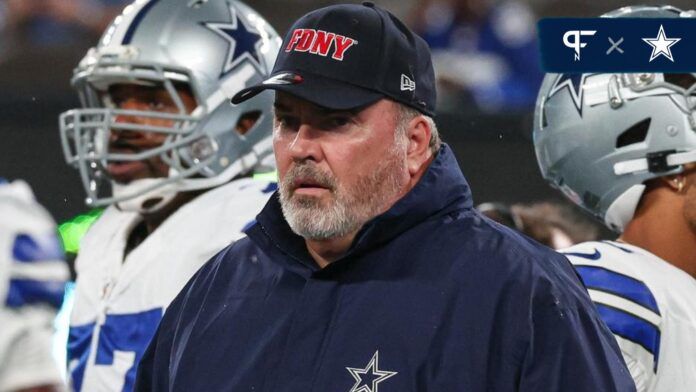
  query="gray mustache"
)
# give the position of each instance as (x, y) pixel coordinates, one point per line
(308, 172)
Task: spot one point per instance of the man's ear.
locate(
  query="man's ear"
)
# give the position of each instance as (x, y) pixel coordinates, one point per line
(418, 151)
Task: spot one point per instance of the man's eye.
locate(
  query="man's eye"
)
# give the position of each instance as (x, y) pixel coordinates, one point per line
(339, 121)
(286, 121)
(157, 105)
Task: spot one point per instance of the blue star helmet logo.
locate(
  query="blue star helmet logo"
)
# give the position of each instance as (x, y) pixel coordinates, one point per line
(244, 40)
(574, 83)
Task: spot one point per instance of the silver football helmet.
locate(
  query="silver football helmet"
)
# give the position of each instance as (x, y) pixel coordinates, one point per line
(214, 48)
(600, 137)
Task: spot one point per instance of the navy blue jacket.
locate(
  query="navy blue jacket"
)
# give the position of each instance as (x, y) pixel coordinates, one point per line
(430, 297)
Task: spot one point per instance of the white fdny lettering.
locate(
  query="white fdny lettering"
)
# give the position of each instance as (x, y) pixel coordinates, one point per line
(320, 43)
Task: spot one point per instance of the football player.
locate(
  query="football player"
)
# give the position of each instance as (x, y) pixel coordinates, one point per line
(623, 147)
(32, 282)
(159, 144)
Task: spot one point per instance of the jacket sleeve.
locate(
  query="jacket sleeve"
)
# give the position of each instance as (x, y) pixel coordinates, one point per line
(153, 369)
(157, 370)
(570, 349)
(146, 377)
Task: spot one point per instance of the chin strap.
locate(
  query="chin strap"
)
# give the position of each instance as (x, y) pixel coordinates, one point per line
(621, 211)
(148, 201)
(151, 194)
(655, 162)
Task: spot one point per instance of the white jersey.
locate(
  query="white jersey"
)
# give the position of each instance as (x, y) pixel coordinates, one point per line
(119, 300)
(649, 305)
(33, 274)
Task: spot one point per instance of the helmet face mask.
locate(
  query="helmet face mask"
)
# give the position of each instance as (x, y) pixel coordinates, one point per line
(86, 132)
(176, 48)
(600, 137)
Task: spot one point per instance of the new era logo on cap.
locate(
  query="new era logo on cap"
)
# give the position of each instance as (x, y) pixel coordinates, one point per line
(320, 42)
(407, 84)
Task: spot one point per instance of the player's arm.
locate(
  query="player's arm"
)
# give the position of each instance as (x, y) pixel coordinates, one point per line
(35, 273)
(27, 364)
(628, 307)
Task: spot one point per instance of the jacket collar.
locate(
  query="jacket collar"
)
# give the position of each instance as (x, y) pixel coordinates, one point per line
(442, 190)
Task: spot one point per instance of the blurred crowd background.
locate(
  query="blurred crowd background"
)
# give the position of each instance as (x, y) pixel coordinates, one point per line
(485, 57)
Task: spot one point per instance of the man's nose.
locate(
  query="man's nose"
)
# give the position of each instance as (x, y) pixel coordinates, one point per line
(127, 118)
(305, 144)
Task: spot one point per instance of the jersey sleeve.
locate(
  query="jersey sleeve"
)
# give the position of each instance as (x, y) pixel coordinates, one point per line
(25, 349)
(31, 253)
(628, 307)
(33, 274)
(642, 377)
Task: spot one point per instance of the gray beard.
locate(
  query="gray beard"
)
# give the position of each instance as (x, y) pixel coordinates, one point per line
(349, 209)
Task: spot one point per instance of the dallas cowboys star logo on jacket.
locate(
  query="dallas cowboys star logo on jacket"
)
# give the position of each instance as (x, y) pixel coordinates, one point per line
(368, 379)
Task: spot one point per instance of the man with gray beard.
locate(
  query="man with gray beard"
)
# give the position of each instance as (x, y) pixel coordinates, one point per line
(348, 204)
(369, 270)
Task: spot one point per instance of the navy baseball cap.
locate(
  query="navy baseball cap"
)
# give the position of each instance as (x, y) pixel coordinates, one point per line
(348, 56)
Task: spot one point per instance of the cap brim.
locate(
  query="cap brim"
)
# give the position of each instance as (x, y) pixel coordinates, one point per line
(319, 90)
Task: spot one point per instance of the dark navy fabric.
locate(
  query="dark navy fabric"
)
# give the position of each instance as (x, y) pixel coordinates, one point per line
(431, 296)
